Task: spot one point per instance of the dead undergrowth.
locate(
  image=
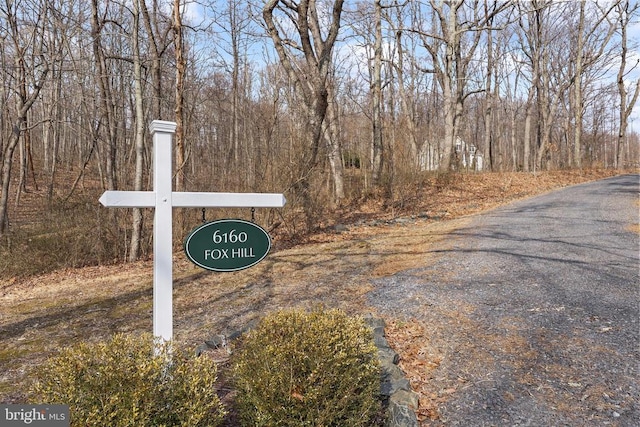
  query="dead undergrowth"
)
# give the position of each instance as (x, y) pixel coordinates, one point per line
(41, 314)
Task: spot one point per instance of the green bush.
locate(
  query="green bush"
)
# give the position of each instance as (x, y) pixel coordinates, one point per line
(308, 369)
(131, 381)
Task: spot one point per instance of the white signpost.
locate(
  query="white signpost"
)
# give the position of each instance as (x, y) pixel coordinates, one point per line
(164, 199)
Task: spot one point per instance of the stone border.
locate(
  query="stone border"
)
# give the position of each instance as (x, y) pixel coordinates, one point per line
(401, 402)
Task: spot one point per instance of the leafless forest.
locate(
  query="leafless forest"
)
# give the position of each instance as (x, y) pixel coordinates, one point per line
(325, 101)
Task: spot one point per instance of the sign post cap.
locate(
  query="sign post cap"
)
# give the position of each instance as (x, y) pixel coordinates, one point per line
(162, 126)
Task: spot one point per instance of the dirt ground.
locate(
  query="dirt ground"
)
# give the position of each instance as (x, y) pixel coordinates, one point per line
(333, 268)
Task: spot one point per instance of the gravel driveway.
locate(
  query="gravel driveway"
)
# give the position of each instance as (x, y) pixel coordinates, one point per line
(534, 311)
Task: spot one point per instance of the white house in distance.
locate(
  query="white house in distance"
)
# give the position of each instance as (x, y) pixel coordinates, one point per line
(468, 155)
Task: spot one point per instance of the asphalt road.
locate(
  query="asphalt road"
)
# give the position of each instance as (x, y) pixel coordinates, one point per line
(534, 309)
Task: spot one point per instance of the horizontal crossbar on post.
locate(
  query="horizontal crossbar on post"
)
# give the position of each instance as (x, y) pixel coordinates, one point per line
(147, 199)
(227, 200)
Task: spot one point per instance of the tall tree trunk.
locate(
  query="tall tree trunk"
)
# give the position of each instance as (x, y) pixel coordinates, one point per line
(513, 140)
(526, 149)
(449, 82)
(136, 233)
(449, 127)
(181, 68)
(156, 47)
(377, 146)
(531, 46)
(7, 162)
(235, 87)
(22, 177)
(332, 139)
(50, 133)
(577, 92)
(488, 112)
(408, 110)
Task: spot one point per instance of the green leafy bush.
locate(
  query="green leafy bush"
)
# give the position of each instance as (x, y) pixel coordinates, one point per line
(308, 369)
(129, 382)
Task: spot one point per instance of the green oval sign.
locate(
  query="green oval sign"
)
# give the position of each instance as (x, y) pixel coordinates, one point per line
(227, 245)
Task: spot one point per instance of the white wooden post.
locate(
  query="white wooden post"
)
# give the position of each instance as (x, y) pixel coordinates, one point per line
(162, 133)
(164, 199)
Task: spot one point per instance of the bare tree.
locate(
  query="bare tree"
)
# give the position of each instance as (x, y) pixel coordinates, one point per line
(235, 20)
(530, 39)
(107, 94)
(31, 66)
(139, 130)
(541, 39)
(407, 104)
(625, 13)
(451, 44)
(591, 41)
(367, 24)
(310, 77)
(157, 31)
(490, 95)
(181, 70)
(331, 134)
(377, 152)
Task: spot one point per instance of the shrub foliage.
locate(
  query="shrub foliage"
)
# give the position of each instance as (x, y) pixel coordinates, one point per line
(131, 381)
(316, 368)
